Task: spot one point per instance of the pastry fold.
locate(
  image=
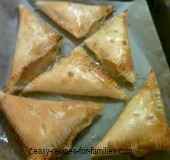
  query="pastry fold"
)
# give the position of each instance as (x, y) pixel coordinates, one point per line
(36, 48)
(142, 127)
(76, 18)
(111, 46)
(46, 125)
(77, 74)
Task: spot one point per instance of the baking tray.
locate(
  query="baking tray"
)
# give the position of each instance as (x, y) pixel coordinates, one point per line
(147, 54)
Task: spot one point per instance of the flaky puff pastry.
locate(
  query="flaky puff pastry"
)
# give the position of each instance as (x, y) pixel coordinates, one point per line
(111, 46)
(77, 74)
(78, 19)
(36, 48)
(142, 127)
(43, 124)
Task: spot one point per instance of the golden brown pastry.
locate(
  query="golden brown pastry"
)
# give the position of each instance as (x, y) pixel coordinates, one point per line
(43, 124)
(36, 48)
(142, 127)
(78, 19)
(111, 46)
(77, 74)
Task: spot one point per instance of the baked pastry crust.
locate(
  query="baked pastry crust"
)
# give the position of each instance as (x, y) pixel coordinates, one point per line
(142, 127)
(43, 124)
(77, 74)
(36, 49)
(111, 46)
(78, 19)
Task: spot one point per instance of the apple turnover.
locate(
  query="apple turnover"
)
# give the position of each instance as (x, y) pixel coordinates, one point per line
(36, 49)
(142, 127)
(76, 18)
(111, 46)
(77, 74)
(46, 125)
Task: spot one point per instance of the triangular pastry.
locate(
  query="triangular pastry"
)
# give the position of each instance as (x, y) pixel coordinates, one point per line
(77, 74)
(78, 19)
(43, 124)
(36, 48)
(111, 46)
(142, 127)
